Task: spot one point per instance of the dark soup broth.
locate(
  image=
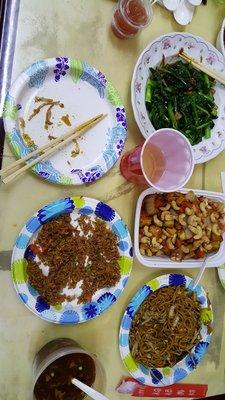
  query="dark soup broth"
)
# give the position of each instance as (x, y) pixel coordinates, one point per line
(55, 381)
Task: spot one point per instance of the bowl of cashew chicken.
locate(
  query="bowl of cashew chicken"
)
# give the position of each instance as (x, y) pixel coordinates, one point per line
(180, 227)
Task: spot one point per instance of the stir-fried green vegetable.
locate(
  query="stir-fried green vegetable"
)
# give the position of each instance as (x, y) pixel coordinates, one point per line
(180, 97)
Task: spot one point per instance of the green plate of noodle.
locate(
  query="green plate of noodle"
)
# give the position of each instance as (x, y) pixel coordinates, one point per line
(165, 333)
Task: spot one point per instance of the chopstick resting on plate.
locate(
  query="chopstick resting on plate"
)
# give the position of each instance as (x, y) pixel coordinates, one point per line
(198, 65)
(48, 149)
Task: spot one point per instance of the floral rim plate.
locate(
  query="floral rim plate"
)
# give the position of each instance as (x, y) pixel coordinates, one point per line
(83, 93)
(165, 376)
(221, 274)
(102, 299)
(169, 45)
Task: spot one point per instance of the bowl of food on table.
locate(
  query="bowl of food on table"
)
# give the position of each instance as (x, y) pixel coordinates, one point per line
(165, 330)
(170, 92)
(180, 229)
(72, 260)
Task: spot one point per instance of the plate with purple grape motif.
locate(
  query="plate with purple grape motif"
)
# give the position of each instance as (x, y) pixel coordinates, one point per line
(49, 98)
(70, 312)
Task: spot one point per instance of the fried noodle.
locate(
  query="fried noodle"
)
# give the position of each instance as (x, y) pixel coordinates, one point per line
(166, 327)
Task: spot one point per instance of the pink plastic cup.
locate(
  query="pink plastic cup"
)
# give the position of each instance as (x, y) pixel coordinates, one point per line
(171, 155)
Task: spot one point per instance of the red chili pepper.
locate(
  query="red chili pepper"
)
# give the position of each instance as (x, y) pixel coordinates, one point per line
(36, 249)
(200, 253)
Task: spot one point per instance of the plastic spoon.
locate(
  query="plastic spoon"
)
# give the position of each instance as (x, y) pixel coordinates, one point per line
(198, 277)
(88, 390)
(171, 5)
(184, 12)
(195, 2)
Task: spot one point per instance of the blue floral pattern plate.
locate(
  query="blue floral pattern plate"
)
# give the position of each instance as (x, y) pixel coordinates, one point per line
(165, 376)
(68, 313)
(82, 92)
(169, 45)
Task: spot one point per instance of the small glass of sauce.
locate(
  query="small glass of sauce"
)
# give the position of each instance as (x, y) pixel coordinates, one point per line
(131, 16)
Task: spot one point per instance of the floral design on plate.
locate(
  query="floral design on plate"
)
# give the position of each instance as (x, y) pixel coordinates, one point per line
(89, 176)
(102, 300)
(168, 45)
(58, 78)
(167, 375)
(61, 67)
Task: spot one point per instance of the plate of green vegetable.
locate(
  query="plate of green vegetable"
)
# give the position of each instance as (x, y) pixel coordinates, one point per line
(168, 92)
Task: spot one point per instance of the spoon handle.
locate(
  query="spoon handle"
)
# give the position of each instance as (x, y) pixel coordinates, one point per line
(88, 390)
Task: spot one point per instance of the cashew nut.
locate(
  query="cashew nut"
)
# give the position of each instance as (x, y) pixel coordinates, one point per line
(216, 230)
(193, 220)
(193, 229)
(189, 211)
(146, 231)
(199, 233)
(208, 231)
(145, 221)
(157, 221)
(190, 196)
(150, 205)
(159, 253)
(174, 238)
(149, 253)
(181, 235)
(171, 231)
(175, 206)
(185, 249)
(205, 239)
(214, 217)
(166, 208)
(166, 216)
(169, 224)
(202, 206)
(181, 220)
(156, 244)
(208, 246)
(166, 233)
(154, 241)
(142, 251)
(145, 239)
(170, 244)
(197, 244)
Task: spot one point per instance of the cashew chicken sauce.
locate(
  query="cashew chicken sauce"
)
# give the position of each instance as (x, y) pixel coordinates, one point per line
(180, 226)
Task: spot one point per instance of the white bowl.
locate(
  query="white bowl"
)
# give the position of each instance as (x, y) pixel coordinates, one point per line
(213, 260)
(220, 39)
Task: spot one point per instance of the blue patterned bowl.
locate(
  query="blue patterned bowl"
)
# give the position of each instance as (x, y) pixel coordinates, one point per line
(102, 299)
(165, 376)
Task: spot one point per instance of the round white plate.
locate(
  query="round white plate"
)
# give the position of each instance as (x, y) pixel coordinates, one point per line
(169, 45)
(85, 93)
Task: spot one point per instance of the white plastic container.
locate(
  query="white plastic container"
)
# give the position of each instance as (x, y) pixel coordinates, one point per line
(214, 260)
(220, 39)
(57, 348)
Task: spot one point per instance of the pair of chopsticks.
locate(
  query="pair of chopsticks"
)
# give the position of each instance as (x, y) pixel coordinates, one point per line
(47, 150)
(198, 65)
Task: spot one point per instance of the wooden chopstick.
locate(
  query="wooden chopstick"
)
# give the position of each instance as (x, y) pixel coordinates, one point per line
(4, 171)
(61, 143)
(202, 67)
